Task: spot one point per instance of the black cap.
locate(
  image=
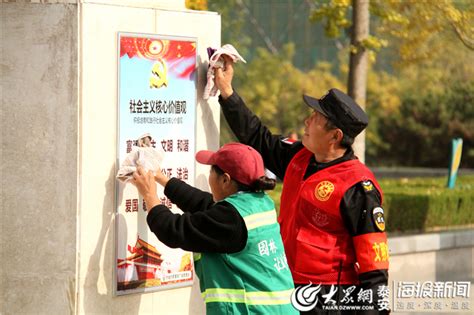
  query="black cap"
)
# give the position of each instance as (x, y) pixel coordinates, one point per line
(341, 109)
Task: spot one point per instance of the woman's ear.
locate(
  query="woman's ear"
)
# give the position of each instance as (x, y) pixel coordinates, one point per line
(229, 185)
(226, 178)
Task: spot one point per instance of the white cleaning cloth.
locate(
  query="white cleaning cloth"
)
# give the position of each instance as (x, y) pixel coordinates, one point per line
(143, 155)
(216, 61)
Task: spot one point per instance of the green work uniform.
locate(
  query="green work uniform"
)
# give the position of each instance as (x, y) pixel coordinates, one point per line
(257, 279)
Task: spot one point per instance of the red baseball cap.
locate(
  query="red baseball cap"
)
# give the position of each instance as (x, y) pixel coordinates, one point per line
(243, 163)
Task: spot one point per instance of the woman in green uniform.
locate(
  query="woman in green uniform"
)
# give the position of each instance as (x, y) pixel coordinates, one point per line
(242, 266)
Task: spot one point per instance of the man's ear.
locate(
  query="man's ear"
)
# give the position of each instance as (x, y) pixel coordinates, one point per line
(337, 135)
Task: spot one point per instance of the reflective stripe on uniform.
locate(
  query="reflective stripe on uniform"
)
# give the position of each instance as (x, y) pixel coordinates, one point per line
(250, 298)
(260, 219)
(269, 298)
(224, 295)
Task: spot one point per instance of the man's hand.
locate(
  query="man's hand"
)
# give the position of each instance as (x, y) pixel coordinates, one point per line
(146, 186)
(223, 78)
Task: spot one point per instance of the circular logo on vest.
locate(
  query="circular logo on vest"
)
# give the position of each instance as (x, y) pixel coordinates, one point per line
(320, 218)
(324, 190)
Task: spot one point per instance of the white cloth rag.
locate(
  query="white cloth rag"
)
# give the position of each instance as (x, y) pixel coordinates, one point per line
(143, 155)
(217, 62)
(149, 158)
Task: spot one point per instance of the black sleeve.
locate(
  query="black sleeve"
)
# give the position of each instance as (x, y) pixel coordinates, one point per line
(187, 197)
(356, 211)
(355, 208)
(218, 229)
(248, 128)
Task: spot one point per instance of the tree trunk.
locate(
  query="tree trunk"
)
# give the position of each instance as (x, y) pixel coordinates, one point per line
(357, 85)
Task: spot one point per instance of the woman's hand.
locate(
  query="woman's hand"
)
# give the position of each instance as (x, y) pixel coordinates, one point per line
(146, 185)
(161, 178)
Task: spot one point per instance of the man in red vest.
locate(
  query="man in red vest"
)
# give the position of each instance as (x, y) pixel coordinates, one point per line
(331, 215)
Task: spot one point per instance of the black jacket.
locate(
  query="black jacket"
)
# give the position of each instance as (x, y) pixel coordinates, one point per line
(205, 226)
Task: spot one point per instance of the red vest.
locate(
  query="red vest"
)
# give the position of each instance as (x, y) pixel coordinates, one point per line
(314, 235)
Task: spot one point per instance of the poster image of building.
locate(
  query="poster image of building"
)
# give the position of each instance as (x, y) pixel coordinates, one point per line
(144, 268)
(156, 98)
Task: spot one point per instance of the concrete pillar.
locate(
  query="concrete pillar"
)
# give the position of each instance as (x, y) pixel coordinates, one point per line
(59, 122)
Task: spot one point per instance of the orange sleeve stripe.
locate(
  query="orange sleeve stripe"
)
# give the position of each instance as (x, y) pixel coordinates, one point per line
(371, 251)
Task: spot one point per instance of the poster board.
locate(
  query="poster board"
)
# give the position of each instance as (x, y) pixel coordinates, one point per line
(156, 109)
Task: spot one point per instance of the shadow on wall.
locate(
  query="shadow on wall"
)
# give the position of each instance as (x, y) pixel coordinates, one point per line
(202, 183)
(196, 303)
(98, 286)
(211, 130)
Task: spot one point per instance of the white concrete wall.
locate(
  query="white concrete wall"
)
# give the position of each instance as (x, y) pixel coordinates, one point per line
(446, 256)
(98, 107)
(58, 148)
(39, 119)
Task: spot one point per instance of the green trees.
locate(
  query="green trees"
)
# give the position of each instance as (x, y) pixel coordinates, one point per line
(419, 81)
(411, 27)
(273, 86)
(420, 131)
(433, 80)
(423, 36)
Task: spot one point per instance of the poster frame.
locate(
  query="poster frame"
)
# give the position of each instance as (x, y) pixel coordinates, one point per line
(116, 205)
